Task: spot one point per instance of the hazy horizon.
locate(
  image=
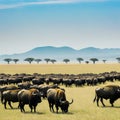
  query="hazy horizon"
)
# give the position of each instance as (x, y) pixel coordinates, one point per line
(56, 47)
(27, 24)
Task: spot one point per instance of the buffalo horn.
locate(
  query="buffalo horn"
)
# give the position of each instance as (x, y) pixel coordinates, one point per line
(33, 93)
(71, 102)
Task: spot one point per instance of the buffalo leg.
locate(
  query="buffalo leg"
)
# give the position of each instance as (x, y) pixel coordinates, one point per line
(30, 107)
(52, 107)
(101, 99)
(5, 102)
(111, 102)
(10, 104)
(22, 107)
(97, 101)
(56, 108)
(35, 108)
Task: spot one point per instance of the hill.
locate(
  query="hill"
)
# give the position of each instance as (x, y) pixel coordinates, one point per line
(60, 53)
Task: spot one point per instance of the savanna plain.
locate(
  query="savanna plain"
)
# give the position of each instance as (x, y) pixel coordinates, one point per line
(82, 108)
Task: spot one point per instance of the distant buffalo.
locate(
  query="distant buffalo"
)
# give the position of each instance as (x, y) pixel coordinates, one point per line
(111, 92)
(24, 85)
(31, 97)
(57, 97)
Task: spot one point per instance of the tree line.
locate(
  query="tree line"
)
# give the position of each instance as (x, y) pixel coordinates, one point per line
(47, 60)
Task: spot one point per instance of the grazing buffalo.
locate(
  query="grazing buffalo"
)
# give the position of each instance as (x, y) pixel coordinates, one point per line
(9, 96)
(111, 92)
(57, 97)
(31, 97)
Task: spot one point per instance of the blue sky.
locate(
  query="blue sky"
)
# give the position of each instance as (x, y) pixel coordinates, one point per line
(75, 23)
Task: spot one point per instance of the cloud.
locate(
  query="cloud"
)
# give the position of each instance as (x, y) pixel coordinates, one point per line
(14, 3)
(24, 3)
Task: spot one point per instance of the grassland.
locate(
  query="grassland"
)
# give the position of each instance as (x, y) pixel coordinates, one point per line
(82, 108)
(58, 68)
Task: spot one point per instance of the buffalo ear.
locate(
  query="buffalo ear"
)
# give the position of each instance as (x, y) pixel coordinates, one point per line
(71, 102)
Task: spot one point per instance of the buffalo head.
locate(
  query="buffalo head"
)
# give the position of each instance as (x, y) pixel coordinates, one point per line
(36, 96)
(64, 105)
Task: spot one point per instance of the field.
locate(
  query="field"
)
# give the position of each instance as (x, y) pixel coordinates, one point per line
(82, 108)
(58, 68)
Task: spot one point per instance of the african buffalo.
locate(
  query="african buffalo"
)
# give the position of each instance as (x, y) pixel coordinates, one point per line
(31, 97)
(57, 97)
(9, 96)
(111, 92)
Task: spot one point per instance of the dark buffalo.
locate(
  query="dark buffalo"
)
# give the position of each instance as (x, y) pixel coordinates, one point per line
(38, 81)
(111, 92)
(68, 82)
(14, 80)
(9, 96)
(31, 97)
(24, 85)
(57, 97)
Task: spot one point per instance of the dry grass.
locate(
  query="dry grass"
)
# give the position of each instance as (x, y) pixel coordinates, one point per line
(58, 68)
(83, 107)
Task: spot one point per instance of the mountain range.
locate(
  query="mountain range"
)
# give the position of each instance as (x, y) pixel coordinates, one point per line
(60, 53)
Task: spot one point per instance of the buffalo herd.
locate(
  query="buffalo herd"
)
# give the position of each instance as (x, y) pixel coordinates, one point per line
(31, 89)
